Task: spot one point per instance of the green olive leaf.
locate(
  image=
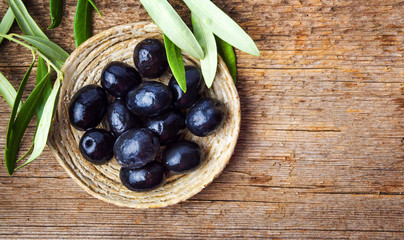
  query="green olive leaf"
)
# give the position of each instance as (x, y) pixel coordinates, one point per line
(95, 7)
(82, 22)
(8, 92)
(226, 51)
(50, 62)
(55, 53)
(167, 19)
(41, 135)
(207, 41)
(43, 74)
(174, 58)
(27, 112)
(26, 153)
(12, 143)
(24, 20)
(222, 25)
(56, 12)
(6, 22)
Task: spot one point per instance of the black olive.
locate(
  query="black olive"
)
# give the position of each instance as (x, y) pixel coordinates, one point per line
(120, 119)
(205, 117)
(136, 147)
(150, 58)
(118, 78)
(87, 107)
(182, 156)
(195, 87)
(96, 146)
(167, 126)
(143, 179)
(149, 99)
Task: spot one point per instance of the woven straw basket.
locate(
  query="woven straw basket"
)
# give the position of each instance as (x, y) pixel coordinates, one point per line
(84, 67)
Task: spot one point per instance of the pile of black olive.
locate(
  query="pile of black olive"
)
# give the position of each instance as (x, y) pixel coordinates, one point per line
(144, 116)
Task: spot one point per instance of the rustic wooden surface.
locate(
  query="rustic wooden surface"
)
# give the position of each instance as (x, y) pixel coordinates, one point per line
(320, 153)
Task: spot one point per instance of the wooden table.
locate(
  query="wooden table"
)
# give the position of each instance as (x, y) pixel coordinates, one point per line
(320, 153)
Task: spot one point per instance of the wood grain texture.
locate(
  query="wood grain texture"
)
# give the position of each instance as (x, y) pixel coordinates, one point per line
(320, 153)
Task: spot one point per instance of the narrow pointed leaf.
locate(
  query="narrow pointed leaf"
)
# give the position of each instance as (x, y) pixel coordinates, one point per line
(6, 23)
(56, 64)
(50, 49)
(174, 58)
(11, 148)
(41, 135)
(167, 19)
(222, 25)
(207, 41)
(226, 51)
(8, 92)
(24, 117)
(56, 12)
(95, 7)
(43, 74)
(82, 22)
(24, 20)
(26, 153)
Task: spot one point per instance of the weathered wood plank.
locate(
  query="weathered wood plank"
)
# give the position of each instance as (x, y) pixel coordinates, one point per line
(205, 219)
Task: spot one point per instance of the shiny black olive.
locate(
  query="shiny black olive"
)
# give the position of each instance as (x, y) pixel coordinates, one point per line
(96, 146)
(182, 156)
(149, 99)
(118, 78)
(150, 58)
(120, 119)
(87, 107)
(167, 126)
(205, 117)
(136, 147)
(143, 179)
(195, 87)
